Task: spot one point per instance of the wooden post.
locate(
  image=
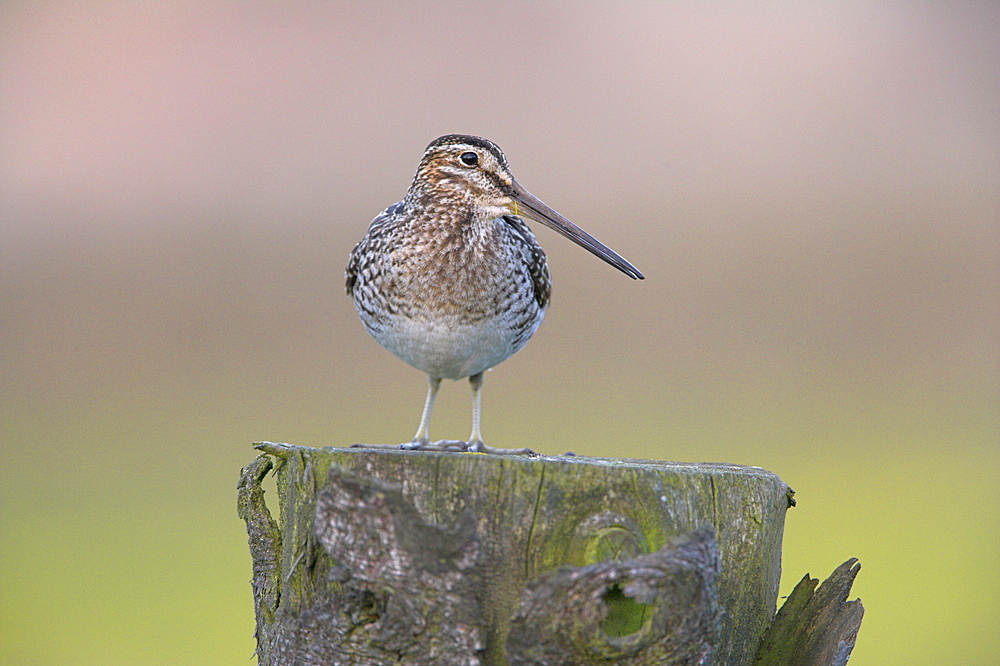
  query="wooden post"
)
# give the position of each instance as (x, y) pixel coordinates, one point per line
(384, 556)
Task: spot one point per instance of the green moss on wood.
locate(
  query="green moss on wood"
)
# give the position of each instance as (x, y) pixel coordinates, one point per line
(526, 517)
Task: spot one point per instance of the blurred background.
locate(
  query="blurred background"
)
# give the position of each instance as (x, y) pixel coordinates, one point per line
(810, 189)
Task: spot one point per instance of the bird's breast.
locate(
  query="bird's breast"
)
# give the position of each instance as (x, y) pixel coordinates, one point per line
(450, 305)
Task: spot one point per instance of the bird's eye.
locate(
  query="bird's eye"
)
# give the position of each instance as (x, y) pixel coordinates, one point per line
(469, 159)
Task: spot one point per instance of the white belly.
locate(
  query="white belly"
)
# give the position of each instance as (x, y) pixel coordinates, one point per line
(446, 348)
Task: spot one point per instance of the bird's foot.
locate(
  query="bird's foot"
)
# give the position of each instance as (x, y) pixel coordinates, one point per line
(418, 445)
(440, 445)
(453, 445)
(480, 447)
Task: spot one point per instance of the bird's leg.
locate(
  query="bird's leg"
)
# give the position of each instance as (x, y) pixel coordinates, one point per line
(422, 439)
(476, 382)
(476, 444)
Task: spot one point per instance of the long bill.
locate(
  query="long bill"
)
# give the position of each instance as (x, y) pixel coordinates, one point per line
(532, 207)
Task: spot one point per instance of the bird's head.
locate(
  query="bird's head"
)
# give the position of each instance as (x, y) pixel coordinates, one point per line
(459, 171)
(468, 172)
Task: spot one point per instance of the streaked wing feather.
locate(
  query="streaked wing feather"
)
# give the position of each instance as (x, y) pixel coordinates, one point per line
(538, 267)
(357, 254)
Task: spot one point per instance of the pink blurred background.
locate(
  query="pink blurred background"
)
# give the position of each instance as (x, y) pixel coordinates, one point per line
(812, 190)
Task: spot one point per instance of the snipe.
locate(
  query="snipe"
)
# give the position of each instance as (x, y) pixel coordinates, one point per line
(451, 279)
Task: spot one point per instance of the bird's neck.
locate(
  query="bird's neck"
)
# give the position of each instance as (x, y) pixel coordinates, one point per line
(446, 207)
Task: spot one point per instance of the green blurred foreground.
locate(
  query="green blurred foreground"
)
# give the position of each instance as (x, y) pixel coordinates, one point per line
(121, 544)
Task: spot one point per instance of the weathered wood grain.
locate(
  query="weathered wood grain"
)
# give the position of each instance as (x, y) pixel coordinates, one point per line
(448, 558)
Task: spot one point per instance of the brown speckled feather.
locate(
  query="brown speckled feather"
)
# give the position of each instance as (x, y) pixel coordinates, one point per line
(451, 279)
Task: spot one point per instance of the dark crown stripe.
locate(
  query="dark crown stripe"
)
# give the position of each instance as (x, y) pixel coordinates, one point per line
(469, 140)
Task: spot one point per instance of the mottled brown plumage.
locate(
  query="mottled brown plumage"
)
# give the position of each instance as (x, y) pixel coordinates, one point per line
(451, 279)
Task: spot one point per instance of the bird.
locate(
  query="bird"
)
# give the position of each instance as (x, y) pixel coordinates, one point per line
(451, 279)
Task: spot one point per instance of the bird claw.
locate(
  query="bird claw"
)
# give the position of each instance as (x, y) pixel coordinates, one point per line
(454, 446)
(440, 445)
(451, 445)
(480, 447)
